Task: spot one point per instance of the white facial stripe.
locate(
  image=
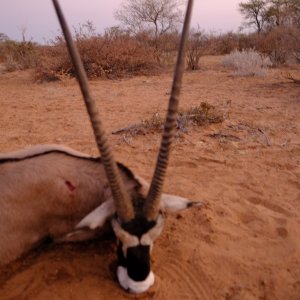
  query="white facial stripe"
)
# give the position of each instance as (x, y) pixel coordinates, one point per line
(153, 233)
(127, 239)
(134, 286)
(146, 240)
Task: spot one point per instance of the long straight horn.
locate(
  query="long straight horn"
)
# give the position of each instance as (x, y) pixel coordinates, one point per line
(152, 205)
(122, 202)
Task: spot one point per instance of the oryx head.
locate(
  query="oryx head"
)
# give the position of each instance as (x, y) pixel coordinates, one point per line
(138, 219)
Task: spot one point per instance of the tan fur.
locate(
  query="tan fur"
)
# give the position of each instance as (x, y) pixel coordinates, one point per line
(36, 202)
(58, 195)
(37, 149)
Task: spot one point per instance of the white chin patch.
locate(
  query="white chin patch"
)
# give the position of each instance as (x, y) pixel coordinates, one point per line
(132, 286)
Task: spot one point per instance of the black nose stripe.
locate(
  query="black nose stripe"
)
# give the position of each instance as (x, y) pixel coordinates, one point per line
(138, 262)
(121, 258)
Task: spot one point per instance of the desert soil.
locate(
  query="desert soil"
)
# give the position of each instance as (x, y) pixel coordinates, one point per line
(243, 244)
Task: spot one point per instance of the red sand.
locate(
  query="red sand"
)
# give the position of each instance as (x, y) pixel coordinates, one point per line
(244, 244)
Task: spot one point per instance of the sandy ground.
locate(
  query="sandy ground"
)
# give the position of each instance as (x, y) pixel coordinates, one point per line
(245, 242)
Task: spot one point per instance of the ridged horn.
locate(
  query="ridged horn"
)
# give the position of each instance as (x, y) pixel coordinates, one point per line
(152, 204)
(123, 204)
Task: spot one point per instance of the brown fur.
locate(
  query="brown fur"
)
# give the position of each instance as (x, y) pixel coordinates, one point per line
(46, 195)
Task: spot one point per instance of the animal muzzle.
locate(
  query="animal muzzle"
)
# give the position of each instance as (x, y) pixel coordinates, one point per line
(134, 270)
(131, 285)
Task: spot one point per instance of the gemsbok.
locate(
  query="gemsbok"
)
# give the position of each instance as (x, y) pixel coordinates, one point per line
(57, 192)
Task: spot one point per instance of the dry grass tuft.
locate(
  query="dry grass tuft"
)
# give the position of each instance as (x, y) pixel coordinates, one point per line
(146, 126)
(200, 115)
(291, 77)
(195, 116)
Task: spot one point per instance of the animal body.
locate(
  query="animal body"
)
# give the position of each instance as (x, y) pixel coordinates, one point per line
(56, 192)
(52, 191)
(44, 192)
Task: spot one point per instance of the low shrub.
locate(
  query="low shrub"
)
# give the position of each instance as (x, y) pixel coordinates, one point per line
(247, 62)
(53, 61)
(222, 44)
(196, 47)
(109, 56)
(281, 44)
(18, 55)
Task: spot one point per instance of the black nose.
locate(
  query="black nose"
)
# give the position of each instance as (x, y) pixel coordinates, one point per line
(138, 262)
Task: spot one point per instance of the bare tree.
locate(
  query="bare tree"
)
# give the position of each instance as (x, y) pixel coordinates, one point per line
(3, 37)
(23, 32)
(254, 11)
(196, 47)
(157, 16)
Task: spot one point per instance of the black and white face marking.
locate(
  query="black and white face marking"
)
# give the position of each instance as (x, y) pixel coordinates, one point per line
(135, 244)
(135, 239)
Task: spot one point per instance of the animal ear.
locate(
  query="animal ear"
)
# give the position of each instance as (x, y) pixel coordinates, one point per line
(77, 236)
(172, 203)
(98, 216)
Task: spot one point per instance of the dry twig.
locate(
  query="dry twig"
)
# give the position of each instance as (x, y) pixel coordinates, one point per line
(266, 136)
(291, 77)
(197, 115)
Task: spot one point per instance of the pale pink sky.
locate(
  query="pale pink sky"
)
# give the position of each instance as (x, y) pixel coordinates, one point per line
(38, 17)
